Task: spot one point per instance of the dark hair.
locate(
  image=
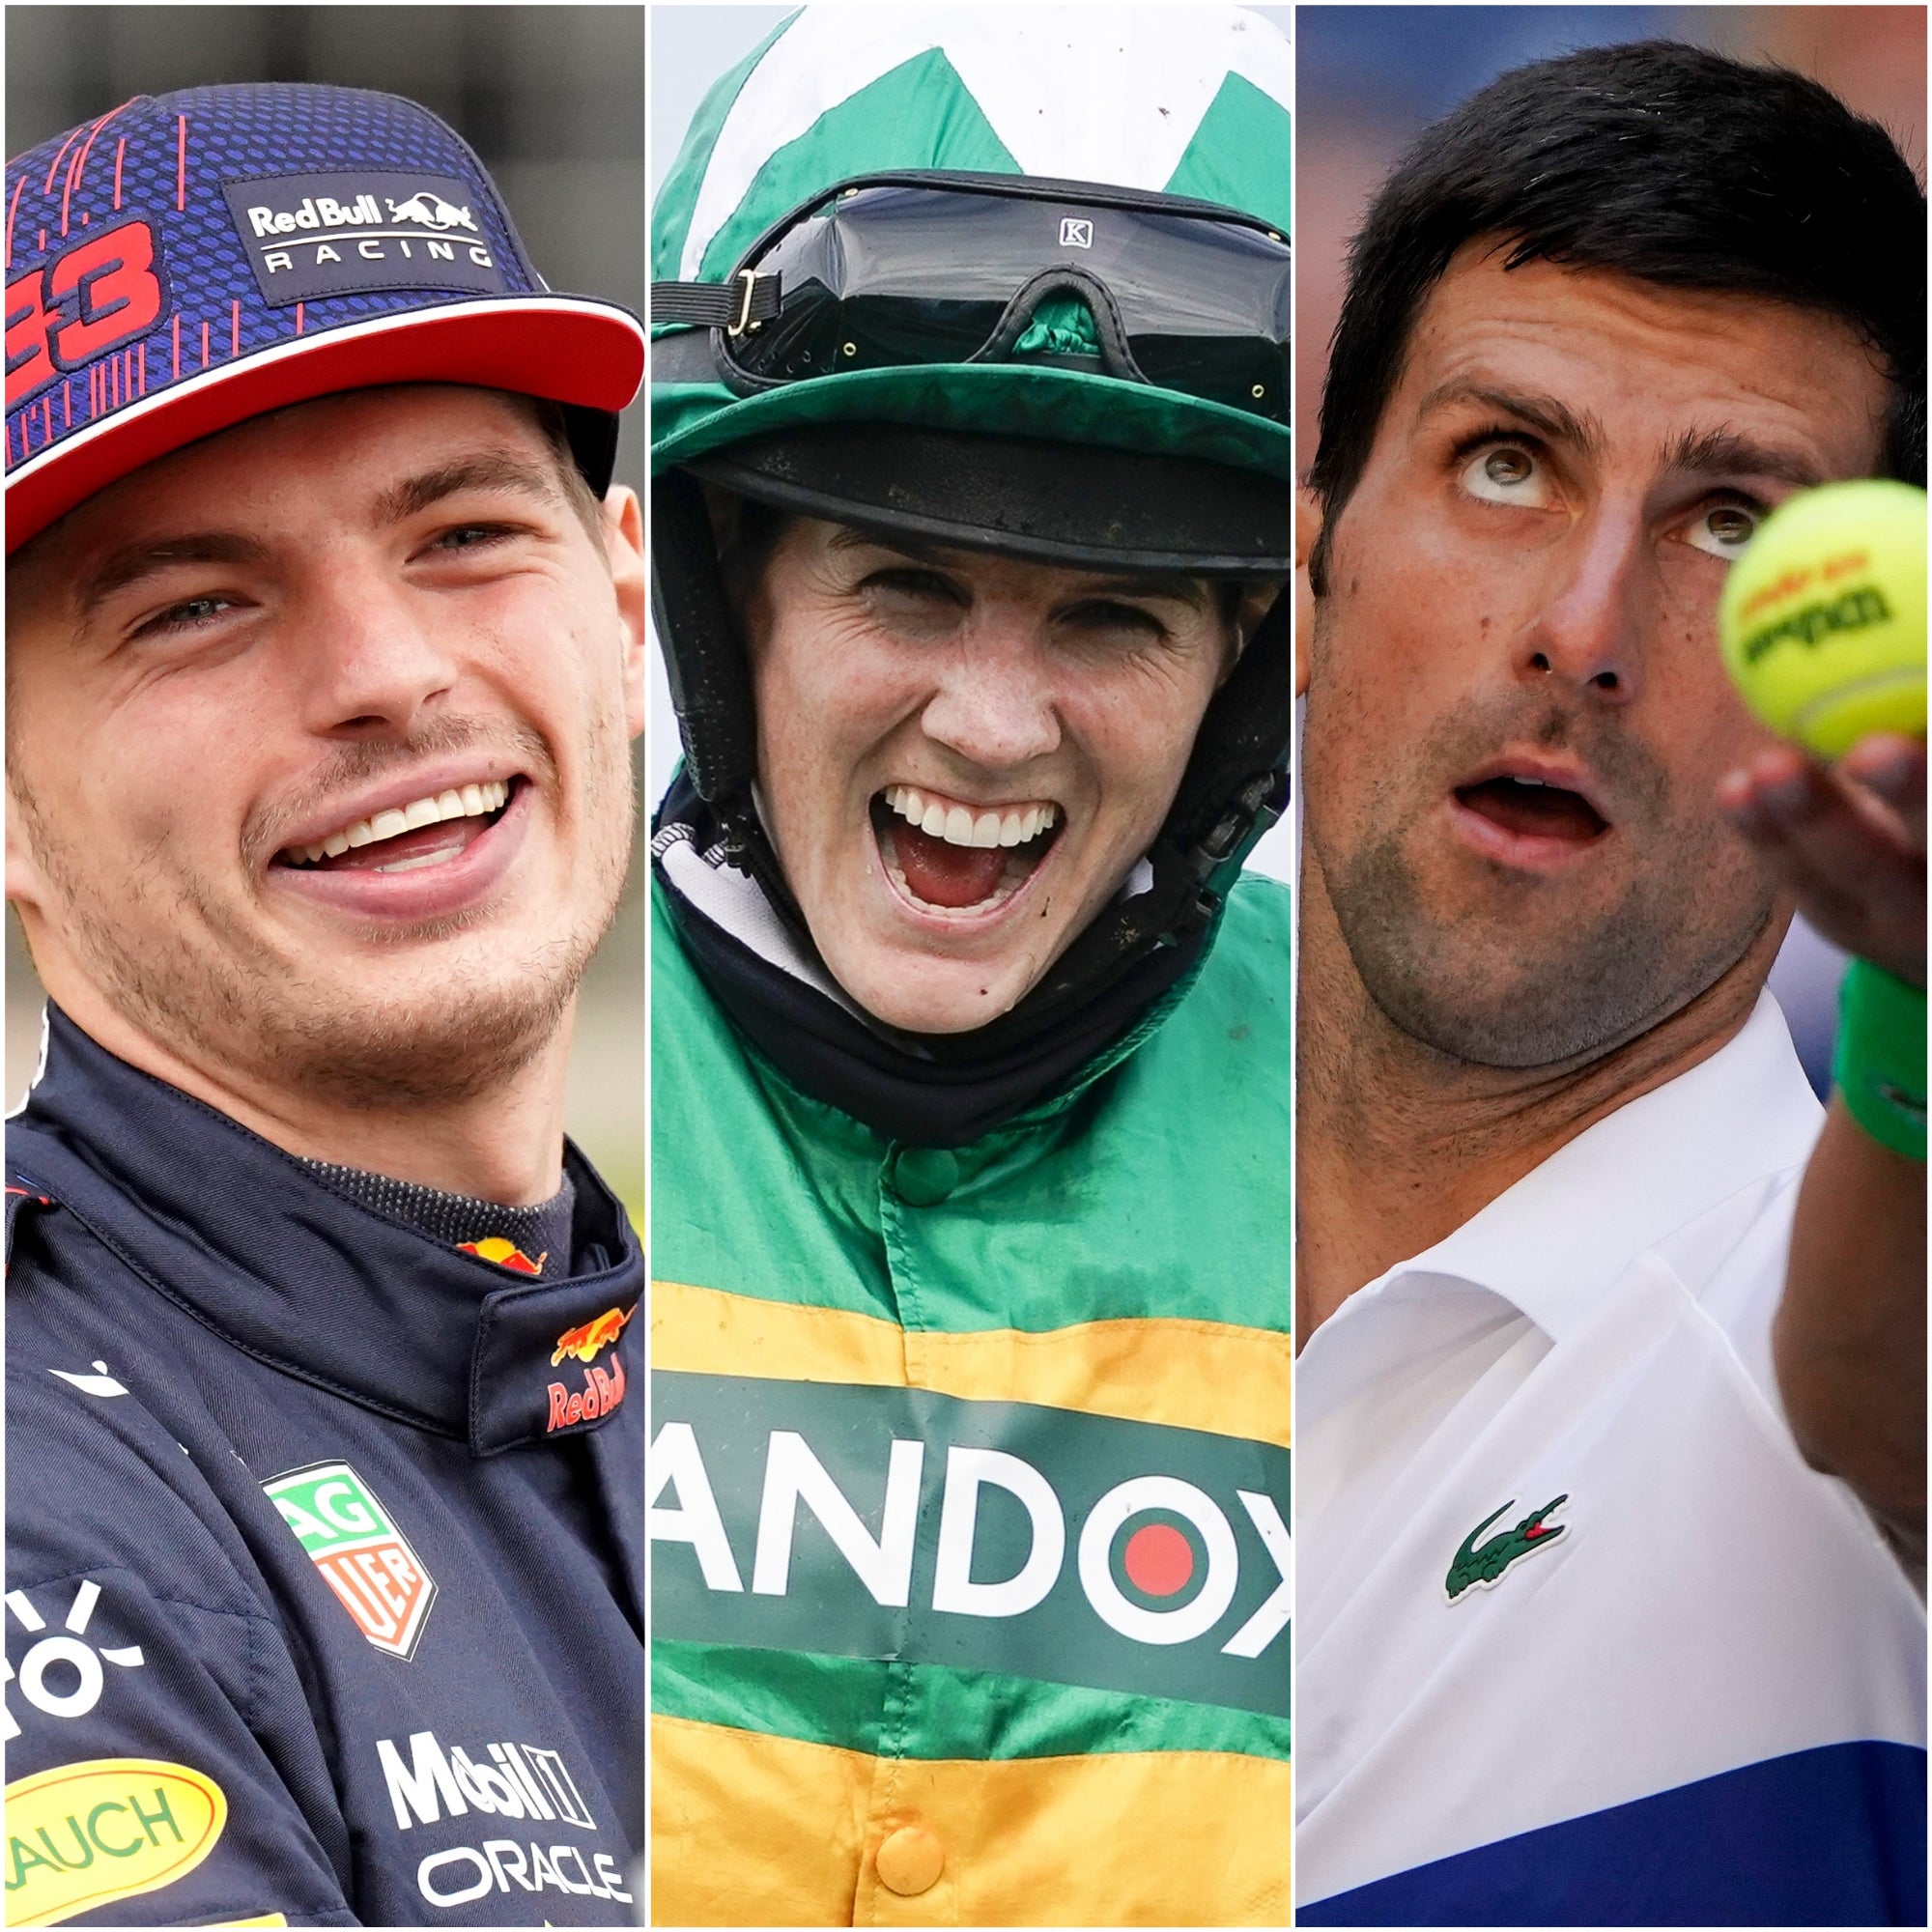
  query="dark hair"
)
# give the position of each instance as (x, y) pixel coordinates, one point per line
(1655, 161)
(555, 431)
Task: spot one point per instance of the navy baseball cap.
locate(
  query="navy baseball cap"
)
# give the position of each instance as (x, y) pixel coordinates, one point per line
(192, 260)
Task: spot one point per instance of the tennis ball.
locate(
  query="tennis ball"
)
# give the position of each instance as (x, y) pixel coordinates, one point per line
(1823, 618)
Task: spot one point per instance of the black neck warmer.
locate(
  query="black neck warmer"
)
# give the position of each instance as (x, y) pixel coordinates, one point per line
(752, 951)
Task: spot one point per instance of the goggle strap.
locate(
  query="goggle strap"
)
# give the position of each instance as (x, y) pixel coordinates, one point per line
(736, 307)
(1013, 188)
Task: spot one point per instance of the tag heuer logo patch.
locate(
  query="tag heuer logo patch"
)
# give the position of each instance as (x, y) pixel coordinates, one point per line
(361, 1555)
(1481, 1565)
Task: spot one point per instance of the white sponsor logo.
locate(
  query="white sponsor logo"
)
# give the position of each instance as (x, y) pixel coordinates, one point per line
(505, 1780)
(432, 211)
(795, 1478)
(316, 211)
(1075, 233)
(372, 248)
(61, 1675)
(466, 1873)
(100, 1383)
(323, 230)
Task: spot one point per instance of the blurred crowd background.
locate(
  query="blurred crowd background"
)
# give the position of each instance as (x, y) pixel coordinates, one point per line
(551, 98)
(1368, 79)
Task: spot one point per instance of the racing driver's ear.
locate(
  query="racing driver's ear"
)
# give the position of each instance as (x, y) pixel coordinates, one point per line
(630, 579)
(26, 887)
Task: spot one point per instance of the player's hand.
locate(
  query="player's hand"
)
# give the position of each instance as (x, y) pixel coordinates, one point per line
(1847, 840)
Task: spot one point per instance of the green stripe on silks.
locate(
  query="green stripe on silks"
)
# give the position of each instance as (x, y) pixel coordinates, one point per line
(1005, 1252)
(1240, 119)
(677, 197)
(842, 1701)
(988, 1537)
(920, 115)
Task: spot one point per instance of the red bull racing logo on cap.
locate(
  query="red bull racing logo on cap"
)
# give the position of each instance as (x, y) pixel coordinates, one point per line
(433, 212)
(317, 235)
(361, 1555)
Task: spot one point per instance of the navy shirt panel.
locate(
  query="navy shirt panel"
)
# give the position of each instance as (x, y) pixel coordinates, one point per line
(328, 1535)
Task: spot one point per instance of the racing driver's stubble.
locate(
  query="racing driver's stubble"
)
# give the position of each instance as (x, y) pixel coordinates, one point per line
(171, 919)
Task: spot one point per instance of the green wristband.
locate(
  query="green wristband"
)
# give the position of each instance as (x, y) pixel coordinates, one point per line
(1880, 1066)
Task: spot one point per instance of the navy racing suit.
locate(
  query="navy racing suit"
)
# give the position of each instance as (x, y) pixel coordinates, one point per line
(326, 1539)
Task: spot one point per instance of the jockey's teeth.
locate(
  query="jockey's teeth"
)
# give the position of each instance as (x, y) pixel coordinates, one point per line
(963, 825)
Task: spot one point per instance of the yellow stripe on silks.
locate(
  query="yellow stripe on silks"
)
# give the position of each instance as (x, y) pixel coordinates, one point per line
(1213, 1376)
(1188, 1374)
(748, 1830)
(707, 1332)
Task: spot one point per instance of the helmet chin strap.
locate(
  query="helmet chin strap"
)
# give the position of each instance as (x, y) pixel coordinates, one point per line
(711, 684)
(1234, 785)
(710, 677)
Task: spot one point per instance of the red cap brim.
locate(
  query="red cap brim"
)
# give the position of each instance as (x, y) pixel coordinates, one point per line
(565, 349)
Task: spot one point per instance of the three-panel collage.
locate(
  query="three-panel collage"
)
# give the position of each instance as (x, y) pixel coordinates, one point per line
(968, 964)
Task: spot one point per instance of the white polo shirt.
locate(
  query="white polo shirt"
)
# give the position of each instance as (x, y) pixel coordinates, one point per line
(1692, 1690)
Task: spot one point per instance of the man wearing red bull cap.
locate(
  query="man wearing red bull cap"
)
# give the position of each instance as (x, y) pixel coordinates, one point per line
(325, 646)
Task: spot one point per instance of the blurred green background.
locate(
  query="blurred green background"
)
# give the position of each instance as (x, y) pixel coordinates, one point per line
(551, 98)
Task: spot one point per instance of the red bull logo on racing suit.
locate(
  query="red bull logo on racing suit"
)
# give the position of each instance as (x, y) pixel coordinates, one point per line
(603, 1388)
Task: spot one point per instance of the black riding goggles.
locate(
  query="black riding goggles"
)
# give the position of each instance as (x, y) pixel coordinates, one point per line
(906, 271)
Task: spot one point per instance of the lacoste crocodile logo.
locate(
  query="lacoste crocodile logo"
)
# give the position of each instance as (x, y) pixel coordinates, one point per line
(1482, 1564)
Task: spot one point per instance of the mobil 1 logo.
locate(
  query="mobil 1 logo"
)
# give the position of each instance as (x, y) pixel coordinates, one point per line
(871, 1521)
(310, 236)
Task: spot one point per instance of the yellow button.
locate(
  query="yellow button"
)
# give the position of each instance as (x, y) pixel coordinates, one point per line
(910, 1861)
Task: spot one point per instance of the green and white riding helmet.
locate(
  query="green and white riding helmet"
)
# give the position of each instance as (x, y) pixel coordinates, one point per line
(1010, 280)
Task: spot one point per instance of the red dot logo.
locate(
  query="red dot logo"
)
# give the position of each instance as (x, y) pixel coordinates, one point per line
(1157, 1559)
